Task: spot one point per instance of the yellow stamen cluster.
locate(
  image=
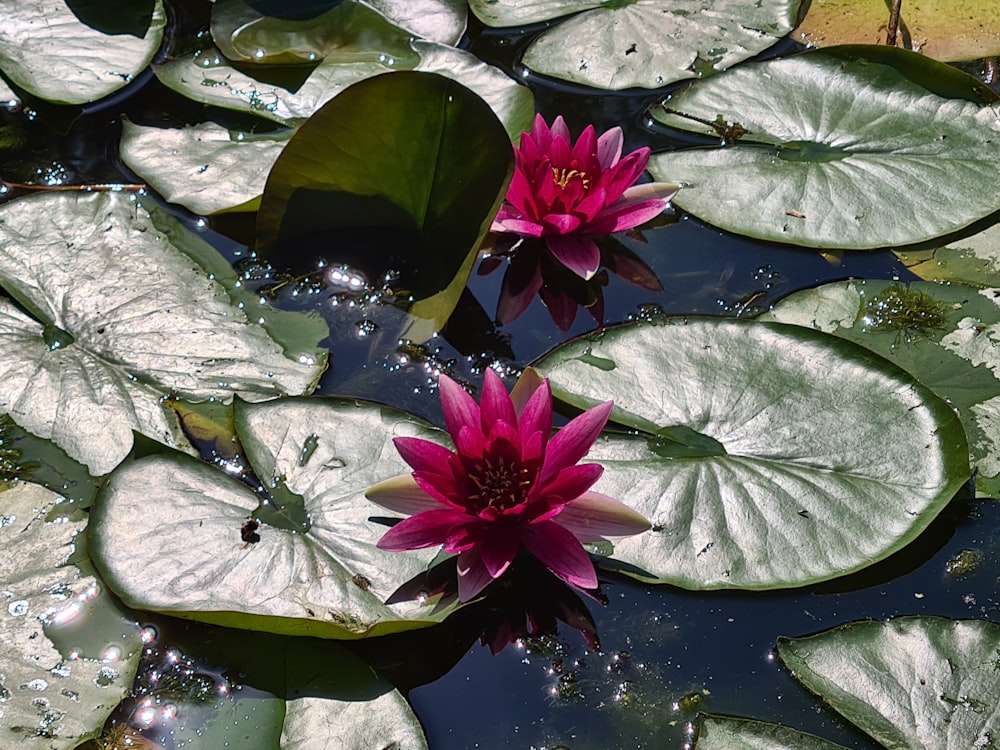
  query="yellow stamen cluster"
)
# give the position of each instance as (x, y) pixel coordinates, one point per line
(562, 177)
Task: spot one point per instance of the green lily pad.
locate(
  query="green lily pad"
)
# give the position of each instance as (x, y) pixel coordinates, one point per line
(850, 149)
(973, 260)
(75, 52)
(815, 457)
(734, 733)
(173, 519)
(416, 194)
(111, 312)
(207, 77)
(944, 335)
(206, 168)
(68, 653)
(946, 30)
(644, 43)
(913, 682)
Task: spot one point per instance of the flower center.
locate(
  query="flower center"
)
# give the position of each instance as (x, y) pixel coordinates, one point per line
(562, 177)
(498, 482)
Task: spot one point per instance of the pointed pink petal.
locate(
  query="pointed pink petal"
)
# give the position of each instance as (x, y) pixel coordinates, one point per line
(427, 529)
(506, 437)
(465, 536)
(585, 148)
(571, 482)
(536, 414)
(577, 252)
(402, 495)
(472, 575)
(521, 195)
(441, 487)
(593, 516)
(495, 404)
(499, 548)
(609, 147)
(459, 407)
(625, 215)
(422, 455)
(470, 442)
(624, 174)
(524, 389)
(573, 441)
(541, 134)
(561, 553)
(559, 129)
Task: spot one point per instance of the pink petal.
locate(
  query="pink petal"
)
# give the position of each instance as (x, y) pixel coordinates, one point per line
(473, 576)
(561, 307)
(591, 206)
(561, 553)
(624, 174)
(585, 148)
(593, 516)
(427, 529)
(499, 548)
(470, 442)
(577, 252)
(609, 147)
(495, 404)
(625, 215)
(570, 483)
(422, 455)
(521, 195)
(573, 441)
(465, 536)
(459, 407)
(559, 129)
(402, 495)
(536, 414)
(541, 134)
(561, 223)
(523, 227)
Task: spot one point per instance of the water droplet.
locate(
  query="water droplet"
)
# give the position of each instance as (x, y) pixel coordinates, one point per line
(37, 685)
(18, 608)
(365, 328)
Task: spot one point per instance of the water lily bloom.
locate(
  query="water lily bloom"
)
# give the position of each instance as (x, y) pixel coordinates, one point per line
(565, 191)
(507, 484)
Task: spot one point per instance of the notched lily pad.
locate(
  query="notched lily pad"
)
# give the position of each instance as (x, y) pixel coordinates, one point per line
(110, 313)
(844, 148)
(68, 653)
(944, 335)
(814, 458)
(171, 534)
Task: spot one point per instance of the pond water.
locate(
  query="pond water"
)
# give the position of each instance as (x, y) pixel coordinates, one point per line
(664, 653)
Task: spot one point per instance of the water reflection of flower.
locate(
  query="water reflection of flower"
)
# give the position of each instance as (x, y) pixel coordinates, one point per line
(566, 192)
(507, 485)
(531, 271)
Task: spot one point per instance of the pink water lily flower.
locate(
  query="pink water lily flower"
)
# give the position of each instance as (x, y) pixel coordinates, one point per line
(565, 191)
(507, 484)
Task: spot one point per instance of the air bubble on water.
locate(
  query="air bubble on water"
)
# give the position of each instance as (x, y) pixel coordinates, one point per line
(259, 53)
(112, 653)
(201, 223)
(365, 328)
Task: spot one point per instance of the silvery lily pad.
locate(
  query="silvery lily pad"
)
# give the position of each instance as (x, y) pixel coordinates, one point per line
(74, 52)
(850, 149)
(913, 682)
(764, 455)
(111, 313)
(642, 43)
(68, 652)
(945, 335)
(173, 519)
(733, 733)
(206, 168)
(207, 77)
